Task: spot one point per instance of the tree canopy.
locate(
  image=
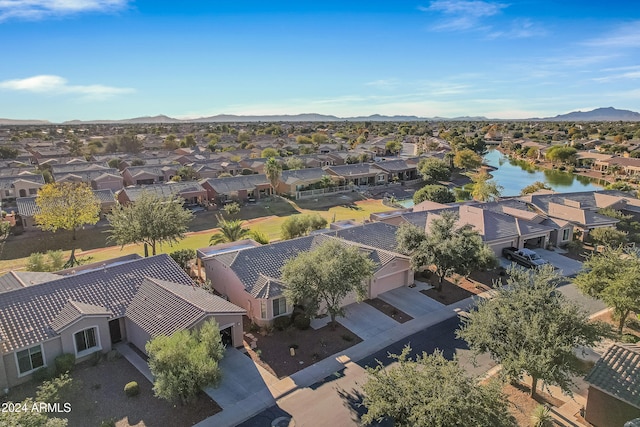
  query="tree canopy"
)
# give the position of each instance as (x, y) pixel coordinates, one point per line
(561, 153)
(432, 391)
(273, 171)
(151, 219)
(608, 236)
(230, 231)
(434, 170)
(448, 247)
(301, 225)
(484, 188)
(185, 362)
(532, 188)
(467, 159)
(434, 193)
(531, 328)
(325, 275)
(66, 206)
(613, 276)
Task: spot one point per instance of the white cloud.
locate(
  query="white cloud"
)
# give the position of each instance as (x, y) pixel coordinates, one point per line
(56, 85)
(625, 36)
(519, 29)
(39, 9)
(462, 14)
(383, 83)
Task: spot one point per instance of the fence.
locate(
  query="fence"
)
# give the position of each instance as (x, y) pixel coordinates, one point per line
(323, 191)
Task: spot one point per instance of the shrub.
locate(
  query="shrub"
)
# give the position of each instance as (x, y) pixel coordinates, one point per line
(281, 323)
(254, 328)
(42, 374)
(54, 390)
(111, 422)
(64, 363)
(347, 337)
(132, 389)
(302, 322)
(629, 339)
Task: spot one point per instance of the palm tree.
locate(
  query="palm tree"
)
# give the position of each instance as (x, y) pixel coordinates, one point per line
(230, 231)
(273, 170)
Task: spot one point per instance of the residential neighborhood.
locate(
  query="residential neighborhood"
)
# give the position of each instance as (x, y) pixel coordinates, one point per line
(275, 347)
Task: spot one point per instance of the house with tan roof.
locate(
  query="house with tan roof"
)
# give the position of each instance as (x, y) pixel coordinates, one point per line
(88, 309)
(249, 275)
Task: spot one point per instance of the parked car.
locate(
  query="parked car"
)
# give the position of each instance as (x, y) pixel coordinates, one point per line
(525, 257)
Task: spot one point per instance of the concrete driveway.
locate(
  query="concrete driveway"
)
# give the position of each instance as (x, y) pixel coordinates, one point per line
(241, 394)
(566, 266)
(365, 321)
(411, 301)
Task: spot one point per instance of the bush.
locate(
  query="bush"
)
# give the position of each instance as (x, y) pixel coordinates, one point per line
(42, 374)
(64, 363)
(281, 323)
(132, 389)
(111, 422)
(302, 322)
(629, 339)
(55, 390)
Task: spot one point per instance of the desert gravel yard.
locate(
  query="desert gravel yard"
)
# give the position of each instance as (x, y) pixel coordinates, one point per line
(98, 396)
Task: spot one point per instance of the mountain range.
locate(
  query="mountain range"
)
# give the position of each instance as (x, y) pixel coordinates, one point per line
(599, 114)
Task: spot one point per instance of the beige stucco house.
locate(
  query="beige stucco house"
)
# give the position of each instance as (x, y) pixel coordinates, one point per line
(249, 275)
(88, 309)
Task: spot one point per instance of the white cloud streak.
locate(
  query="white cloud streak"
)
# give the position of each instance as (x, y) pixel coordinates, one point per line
(40, 9)
(461, 14)
(56, 85)
(626, 36)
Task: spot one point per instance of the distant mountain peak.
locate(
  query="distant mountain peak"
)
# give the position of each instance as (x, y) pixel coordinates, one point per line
(599, 114)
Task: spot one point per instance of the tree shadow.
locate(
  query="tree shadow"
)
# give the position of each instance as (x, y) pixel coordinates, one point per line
(354, 402)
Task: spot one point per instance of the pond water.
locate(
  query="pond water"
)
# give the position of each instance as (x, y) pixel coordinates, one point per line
(513, 175)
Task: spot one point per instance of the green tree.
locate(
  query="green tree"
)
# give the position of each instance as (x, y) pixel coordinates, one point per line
(51, 391)
(188, 141)
(114, 163)
(8, 153)
(326, 181)
(259, 236)
(434, 193)
(532, 188)
(485, 189)
(75, 146)
(531, 328)
(325, 275)
(151, 219)
(294, 163)
(608, 236)
(434, 170)
(613, 276)
(393, 147)
(187, 173)
(467, 159)
(446, 246)
(319, 138)
(561, 153)
(269, 152)
(171, 142)
(185, 362)
(232, 208)
(301, 225)
(66, 206)
(183, 257)
(229, 231)
(5, 232)
(432, 391)
(273, 171)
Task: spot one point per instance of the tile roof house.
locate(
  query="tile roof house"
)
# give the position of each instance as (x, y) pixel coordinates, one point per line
(99, 179)
(86, 310)
(614, 387)
(149, 174)
(359, 174)
(21, 184)
(250, 276)
(190, 191)
(293, 181)
(240, 187)
(27, 207)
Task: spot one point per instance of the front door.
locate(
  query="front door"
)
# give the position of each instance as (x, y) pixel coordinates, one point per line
(114, 331)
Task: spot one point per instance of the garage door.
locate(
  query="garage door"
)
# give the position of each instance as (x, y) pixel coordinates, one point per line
(497, 247)
(387, 283)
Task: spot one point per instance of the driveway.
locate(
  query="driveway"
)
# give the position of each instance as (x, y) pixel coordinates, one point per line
(411, 301)
(365, 321)
(241, 394)
(566, 266)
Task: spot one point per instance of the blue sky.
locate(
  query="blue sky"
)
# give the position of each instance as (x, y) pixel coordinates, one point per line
(111, 59)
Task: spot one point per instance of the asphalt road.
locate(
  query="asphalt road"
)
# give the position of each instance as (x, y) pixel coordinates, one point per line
(336, 400)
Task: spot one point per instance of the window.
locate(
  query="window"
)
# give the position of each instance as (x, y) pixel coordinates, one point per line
(33, 191)
(86, 340)
(30, 359)
(263, 309)
(565, 234)
(279, 306)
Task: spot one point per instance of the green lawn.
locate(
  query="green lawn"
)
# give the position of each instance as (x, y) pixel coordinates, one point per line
(91, 242)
